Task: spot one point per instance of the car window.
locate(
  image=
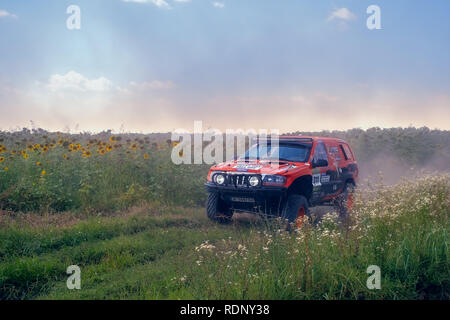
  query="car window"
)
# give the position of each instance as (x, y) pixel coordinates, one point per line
(320, 153)
(283, 152)
(347, 153)
(335, 153)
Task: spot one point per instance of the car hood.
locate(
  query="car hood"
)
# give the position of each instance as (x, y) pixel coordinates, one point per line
(261, 167)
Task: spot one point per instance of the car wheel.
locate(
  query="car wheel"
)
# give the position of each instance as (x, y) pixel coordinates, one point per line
(217, 210)
(295, 210)
(346, 201)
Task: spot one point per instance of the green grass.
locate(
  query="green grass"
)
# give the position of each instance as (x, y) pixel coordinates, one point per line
(133, 222)
(175, 252)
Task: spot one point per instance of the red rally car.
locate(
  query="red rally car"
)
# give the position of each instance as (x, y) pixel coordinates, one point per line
(307, 171)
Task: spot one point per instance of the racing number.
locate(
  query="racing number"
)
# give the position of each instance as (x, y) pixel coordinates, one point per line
(320, 179)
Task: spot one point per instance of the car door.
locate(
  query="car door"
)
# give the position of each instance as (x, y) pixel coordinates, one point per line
(337, 161)
(321, 181)
(348, 167)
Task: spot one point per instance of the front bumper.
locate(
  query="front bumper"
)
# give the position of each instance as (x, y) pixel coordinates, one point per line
(263, 198)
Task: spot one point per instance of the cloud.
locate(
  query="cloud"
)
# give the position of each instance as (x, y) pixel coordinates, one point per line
(342, 14)
(5, 14)
(158, 3)
(218, 4)
(74, 81)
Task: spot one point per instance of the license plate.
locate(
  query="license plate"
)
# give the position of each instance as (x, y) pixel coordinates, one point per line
(240, 199)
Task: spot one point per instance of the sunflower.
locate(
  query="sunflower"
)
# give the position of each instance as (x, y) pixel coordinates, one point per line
(65, 156)
(6, 168)
(109, 148)
(43, 173)
(113, 139)
(87, 154)
(2, 159)
(25, 156)
(38, 163)
(146, 156)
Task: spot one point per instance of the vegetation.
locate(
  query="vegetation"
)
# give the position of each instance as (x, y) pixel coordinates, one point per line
(156, 252)
(43, 171)
(413, 146)
(117, 207)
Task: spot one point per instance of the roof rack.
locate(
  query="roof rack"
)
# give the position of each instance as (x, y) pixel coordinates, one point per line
(297, 139)
(293, 139)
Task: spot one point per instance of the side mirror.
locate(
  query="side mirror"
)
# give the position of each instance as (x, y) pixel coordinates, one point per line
(320, 163)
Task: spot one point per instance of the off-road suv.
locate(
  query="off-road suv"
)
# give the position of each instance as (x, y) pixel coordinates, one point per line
(307, 171)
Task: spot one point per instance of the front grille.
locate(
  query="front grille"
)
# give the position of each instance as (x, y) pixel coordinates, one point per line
(238, 180)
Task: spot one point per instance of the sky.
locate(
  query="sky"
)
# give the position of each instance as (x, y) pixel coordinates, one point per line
(159, 65)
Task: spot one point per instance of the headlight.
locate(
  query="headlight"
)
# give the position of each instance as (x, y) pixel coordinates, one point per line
(219, 179)
(274, 180)
(253, 181)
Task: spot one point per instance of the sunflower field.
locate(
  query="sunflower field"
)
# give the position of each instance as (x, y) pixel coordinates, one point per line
(60, 172)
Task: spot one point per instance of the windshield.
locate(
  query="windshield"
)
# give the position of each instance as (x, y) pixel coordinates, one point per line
(282, 152)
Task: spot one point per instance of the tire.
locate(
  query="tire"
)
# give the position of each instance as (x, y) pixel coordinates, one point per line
(296, 206)
(344, 204)
(217, 210)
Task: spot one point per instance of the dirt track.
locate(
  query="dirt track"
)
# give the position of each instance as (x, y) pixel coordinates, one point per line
(316, 212)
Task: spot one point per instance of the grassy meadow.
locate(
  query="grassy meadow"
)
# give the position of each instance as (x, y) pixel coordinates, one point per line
(135, 224)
